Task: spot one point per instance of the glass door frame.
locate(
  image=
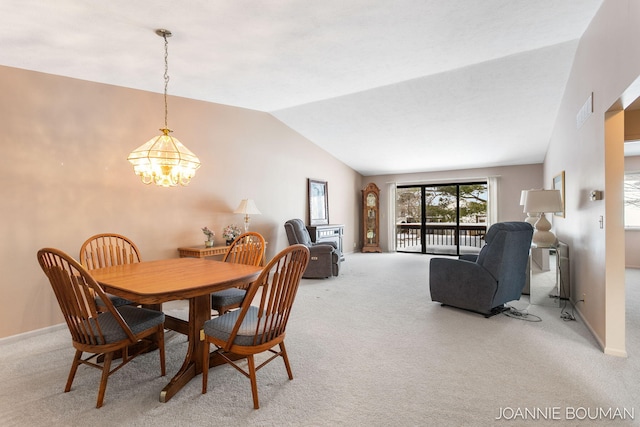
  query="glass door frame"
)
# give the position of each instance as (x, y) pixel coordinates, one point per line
(423, 221)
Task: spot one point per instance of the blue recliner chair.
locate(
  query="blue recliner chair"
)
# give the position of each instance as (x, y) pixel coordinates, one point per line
(325, 257)
(485, 283)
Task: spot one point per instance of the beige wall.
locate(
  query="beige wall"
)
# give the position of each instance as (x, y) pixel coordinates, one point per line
(607, 62)
(511, 181)
(65, 177)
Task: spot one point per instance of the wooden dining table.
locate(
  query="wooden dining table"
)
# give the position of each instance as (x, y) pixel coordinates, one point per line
(151, 283)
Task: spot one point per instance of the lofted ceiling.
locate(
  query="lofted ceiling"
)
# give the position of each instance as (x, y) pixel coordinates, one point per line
(385, 86)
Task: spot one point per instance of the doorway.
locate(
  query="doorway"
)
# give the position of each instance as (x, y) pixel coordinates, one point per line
(615, 257)
(631, 126)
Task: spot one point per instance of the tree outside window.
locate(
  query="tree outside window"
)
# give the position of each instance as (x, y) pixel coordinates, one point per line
(441, 204)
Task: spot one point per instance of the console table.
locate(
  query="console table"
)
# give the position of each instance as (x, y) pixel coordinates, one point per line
(201, 251)
(328, 233)
(549, 275)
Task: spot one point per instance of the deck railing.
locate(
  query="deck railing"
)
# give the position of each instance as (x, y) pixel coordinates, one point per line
(440, 234)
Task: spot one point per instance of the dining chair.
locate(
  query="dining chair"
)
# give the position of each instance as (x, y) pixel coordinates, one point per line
(247, 248)
(106, 250)
(99, 333)
(257, 329)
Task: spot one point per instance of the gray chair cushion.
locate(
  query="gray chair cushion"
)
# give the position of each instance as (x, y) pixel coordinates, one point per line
(115, 300)
(227, 297)
(138, 319)
(221, 327)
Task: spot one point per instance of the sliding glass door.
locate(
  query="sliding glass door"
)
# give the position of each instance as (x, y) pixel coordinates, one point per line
(445, 219)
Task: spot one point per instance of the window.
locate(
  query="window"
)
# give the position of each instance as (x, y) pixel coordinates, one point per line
(632, 200)
(441, 219)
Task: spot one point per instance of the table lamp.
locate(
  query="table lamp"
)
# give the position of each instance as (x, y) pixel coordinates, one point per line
(247, 207)
(531, 217)
(543, 201)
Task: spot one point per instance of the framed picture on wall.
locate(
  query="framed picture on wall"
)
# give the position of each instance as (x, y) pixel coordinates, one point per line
(318, 202)
(558, 184)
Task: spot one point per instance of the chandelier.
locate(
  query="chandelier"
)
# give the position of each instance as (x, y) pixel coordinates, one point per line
(163, 159)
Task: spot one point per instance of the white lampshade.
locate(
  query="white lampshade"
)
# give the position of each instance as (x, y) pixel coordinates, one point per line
(247, 207)
(540, 201)
(532, 217)
(523, 197)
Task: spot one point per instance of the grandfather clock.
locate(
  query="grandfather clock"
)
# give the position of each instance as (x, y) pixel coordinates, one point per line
(371, 218)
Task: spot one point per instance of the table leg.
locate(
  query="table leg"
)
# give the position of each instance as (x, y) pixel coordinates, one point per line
(199, 312)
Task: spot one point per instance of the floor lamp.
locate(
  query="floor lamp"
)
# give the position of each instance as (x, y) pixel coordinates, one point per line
(542, 202)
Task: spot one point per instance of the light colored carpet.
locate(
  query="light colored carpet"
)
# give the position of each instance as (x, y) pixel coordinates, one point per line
(366, 348)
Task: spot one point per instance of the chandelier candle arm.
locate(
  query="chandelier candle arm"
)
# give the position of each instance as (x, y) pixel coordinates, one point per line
(164, 160)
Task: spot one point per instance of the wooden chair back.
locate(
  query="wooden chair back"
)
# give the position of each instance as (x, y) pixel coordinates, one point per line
(275, 288)
(108, 249)
(77, 292)
(261, 328)
(100, 332)
(248, 249)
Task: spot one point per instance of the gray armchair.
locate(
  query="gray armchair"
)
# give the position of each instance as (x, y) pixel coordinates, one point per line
(325, 259)
(496, 276)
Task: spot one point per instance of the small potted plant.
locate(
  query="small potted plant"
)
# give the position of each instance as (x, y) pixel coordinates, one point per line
(230, 233)
(210, 235)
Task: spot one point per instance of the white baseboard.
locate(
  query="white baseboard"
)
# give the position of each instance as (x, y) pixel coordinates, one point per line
(586, 323)
(19, 337)
(605, 349)
(615, 352)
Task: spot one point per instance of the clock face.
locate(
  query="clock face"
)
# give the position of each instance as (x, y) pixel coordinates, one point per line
(371, 200)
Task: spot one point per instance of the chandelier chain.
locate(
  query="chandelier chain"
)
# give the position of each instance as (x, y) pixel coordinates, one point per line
(166, 78)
